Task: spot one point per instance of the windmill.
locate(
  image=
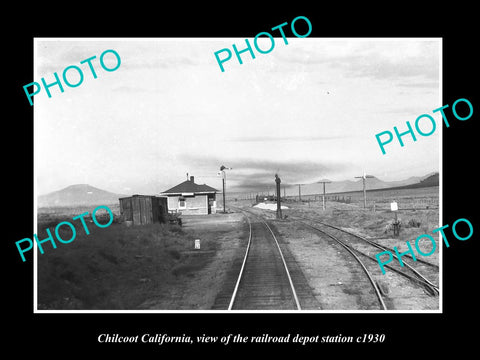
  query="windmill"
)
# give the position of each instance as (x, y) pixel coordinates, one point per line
(364, 177)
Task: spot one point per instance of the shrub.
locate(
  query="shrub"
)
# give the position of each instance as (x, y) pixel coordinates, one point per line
(414, 223)
(176, 229)
(175, 254)
(186, 269)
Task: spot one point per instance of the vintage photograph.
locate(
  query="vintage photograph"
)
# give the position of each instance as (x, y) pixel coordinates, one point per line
(260, 188)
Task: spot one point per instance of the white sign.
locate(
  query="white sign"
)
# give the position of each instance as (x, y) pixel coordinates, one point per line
(394, 206)
(197, 243)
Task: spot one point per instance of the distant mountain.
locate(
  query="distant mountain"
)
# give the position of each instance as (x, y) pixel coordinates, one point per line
(431, 180)
(78, 195)
(409, 181)
(373, 183)
(427, 181)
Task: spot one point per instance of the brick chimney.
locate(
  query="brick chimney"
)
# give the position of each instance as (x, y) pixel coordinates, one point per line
(192, 178)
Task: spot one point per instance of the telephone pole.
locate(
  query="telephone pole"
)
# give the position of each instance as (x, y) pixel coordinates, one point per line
(364, 177)
(324, 182)
(300, 192)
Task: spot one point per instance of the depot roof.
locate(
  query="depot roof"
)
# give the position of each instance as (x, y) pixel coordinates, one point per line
(189, 186)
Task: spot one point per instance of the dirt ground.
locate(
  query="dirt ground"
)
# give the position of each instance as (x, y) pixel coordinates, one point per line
(197, 290)
(337, 282)
(333, 274)
(161, 270)
(153, 266)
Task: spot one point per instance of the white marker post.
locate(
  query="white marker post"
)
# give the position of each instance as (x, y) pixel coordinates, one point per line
(394, 208)
(197, 244)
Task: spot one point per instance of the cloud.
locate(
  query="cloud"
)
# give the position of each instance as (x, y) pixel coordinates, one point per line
(137, 89)
(382, 68)
(405, 110)
(158, 63)
(397, 60)
(420, 85)
(285, 138)
(256, 173)
(54, 56)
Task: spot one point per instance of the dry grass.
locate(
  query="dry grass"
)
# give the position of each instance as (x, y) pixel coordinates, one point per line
(112, 268)
(373, 223)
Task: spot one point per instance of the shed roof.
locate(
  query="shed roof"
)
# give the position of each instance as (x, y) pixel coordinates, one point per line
(189, 186)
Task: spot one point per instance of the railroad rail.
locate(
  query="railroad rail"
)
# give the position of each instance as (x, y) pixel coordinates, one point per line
(417, 277)
(264, 281)
(373, 243)
(377, 291)
(268, 280)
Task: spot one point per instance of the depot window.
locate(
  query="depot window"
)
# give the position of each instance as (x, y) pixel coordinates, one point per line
(182, 203)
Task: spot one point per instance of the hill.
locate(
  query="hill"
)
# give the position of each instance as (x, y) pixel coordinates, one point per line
(372, 184)
(429, 180)
(78, 195)
(432, 180)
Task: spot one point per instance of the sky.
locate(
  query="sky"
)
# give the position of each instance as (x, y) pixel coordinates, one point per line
(308, 110)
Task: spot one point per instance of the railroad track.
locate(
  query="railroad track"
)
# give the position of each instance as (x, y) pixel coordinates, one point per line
(377, 245)
(361, 249)
(264, 281)
(267, 277)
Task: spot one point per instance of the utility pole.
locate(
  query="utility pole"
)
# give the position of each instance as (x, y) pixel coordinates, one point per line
(299, 193)
(364, 177)
(279, 206)
(222, 170)
(324, 182)
(223, 190)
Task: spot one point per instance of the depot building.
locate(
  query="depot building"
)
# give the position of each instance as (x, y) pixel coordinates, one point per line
(191, 199)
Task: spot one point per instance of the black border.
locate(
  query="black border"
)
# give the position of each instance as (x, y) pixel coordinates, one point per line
(76, 334)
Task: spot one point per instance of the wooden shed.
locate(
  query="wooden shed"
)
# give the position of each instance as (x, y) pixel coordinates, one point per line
(143, 209)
